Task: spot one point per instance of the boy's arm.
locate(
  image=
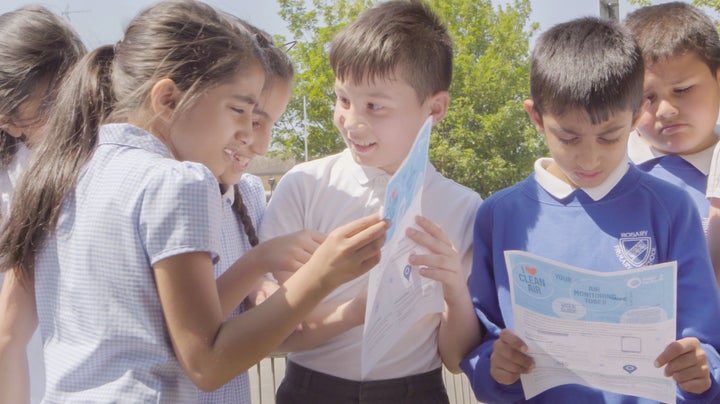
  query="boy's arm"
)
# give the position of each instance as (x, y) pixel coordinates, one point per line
(698, 298)
(18, 321)
(459, 329)
(484, 293)
(488, 291)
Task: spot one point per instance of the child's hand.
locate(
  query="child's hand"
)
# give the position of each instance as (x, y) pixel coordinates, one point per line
(687, 364)
(508, 359)
(283, 255)
(443, 264)
(350, 250)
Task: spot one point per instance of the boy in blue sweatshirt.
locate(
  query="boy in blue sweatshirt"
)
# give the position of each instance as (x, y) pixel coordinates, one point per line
(676, 131)
(581, 207)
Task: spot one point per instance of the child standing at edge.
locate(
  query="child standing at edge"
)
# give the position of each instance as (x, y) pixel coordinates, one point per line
(393, 67)
(243, 195)
(676, 133)
(117, 231)
(586, 83)
(37, 49)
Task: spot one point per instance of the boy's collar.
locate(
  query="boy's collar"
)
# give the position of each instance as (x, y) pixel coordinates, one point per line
(640, 151)
(364, 175)
(561, 189)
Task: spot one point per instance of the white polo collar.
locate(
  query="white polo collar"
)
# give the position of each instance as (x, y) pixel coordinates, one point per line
(640, 151)
(561, 189)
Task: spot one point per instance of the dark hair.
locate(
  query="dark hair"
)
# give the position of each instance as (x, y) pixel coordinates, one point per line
(672, 29)
(35, 45)
(280, 67)
(587, 63)
(401, 37)
(187, 41)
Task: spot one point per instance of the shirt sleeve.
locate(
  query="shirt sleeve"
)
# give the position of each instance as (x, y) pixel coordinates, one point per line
(253, 192)
(713, 181)
(285, 212)
(181, 213)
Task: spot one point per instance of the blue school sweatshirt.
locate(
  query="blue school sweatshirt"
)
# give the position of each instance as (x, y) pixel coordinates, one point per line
(579, 231)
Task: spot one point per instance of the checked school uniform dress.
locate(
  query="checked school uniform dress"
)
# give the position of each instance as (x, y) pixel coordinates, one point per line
(100, 316)
(234, 243)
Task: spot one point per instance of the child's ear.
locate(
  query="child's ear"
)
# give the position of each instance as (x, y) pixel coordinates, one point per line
(535, 117)
(164, 98)
(439, 105)
(10, 129)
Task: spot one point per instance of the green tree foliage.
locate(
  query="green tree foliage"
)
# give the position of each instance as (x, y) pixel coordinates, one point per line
(709, 4)
(485, 142)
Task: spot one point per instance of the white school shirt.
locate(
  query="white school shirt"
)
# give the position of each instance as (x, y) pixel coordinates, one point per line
(332, 191)
(640, 151)
(713, 184)
(102, 324)
(9, 177)
(234, 243)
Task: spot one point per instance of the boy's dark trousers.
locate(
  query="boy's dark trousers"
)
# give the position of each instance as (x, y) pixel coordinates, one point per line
(304, 386)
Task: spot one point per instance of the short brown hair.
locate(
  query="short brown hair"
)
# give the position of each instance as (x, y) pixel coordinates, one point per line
(673, 29)
(587, 63)
(399, 35)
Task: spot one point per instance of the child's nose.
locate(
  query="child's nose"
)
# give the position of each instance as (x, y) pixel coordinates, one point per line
(666, 109)
(588, 157)
(261, 143)
(350, 119)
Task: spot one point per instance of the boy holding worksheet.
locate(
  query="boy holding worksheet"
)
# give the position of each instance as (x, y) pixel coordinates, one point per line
(587, 207)
(393, 67)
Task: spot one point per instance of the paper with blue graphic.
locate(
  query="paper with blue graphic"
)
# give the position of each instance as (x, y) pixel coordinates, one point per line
(598, 329)
(407, 182)
(397, 295)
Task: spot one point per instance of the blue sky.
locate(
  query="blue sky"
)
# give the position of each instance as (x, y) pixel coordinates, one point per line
(102, 21)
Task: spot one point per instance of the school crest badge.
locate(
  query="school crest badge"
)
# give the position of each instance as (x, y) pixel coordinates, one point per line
(635, 252)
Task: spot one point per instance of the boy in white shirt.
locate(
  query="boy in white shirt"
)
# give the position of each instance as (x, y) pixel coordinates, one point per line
(393, 68)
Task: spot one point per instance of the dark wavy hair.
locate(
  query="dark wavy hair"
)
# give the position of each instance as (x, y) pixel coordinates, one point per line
(36, 46)
(185, 40)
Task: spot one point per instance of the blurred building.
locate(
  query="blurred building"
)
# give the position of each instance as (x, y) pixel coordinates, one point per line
(270, 170)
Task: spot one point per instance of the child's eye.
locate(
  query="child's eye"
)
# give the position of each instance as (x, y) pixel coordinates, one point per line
(682, 90)
(374, 107)
(344, 102)
(570, 141)
(650, 97)
(238, 110)
(604, 140)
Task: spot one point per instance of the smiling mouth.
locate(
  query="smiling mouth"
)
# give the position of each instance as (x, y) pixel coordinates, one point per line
(362, 147)
(237, 158)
